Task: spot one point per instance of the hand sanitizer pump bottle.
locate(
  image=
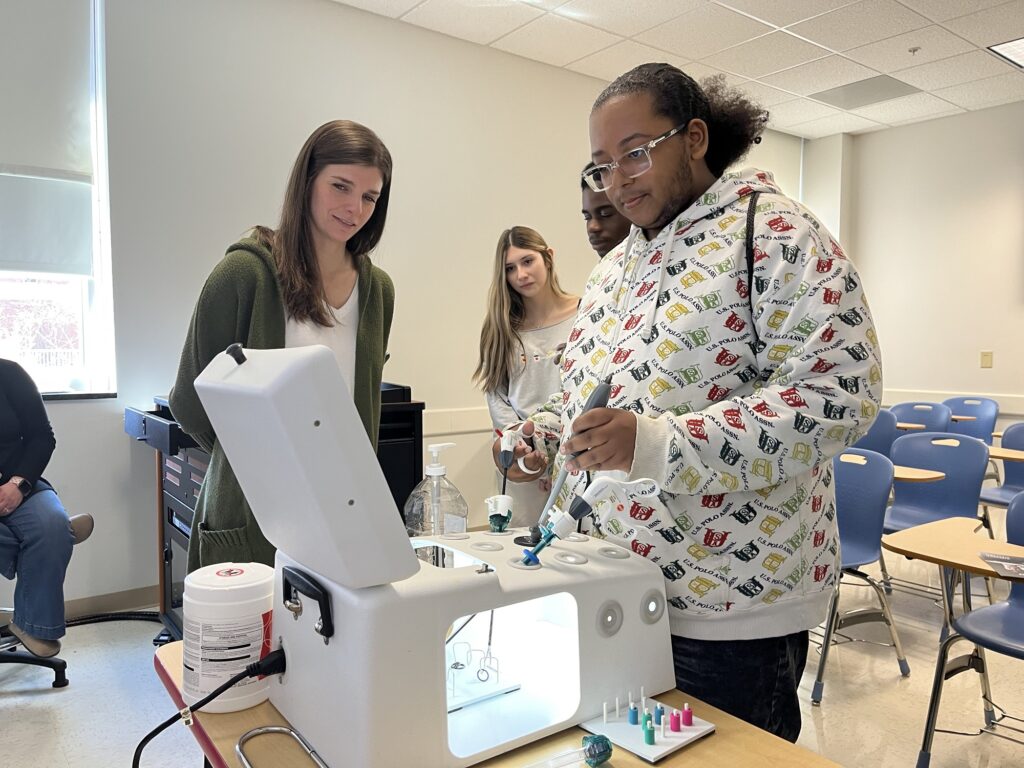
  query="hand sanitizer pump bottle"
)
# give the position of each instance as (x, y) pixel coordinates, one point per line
(435, 507)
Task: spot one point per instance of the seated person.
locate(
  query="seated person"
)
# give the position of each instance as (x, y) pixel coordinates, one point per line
(35, 534)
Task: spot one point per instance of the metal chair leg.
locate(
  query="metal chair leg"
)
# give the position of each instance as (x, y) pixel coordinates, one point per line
(986, 689)
(925, 755)
(986, 521)
(826, 644)
(887, 613)
(886, 581)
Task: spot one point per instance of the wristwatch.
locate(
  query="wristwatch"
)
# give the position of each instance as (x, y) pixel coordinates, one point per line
(22, 485)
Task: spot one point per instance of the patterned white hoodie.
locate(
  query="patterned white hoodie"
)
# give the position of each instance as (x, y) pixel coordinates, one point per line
(738, 416)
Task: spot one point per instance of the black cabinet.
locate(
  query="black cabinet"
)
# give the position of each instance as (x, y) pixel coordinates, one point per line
(181, 466)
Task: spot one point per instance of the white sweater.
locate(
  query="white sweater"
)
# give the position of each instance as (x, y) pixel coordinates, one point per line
(738, 429)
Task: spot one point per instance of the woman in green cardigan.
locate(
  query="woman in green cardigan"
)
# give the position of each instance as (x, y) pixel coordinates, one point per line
(308, 282)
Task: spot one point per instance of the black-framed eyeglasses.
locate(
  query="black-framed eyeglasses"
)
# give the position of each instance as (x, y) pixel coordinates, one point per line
(634, 163)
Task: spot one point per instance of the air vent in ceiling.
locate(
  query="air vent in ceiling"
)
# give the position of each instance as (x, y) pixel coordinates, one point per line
(864, 92)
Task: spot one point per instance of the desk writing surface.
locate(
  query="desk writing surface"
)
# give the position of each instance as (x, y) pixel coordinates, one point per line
(1006, 454)
(953, 543)
(909, 426)
(915, 474)
(735, 743)
(955, 417)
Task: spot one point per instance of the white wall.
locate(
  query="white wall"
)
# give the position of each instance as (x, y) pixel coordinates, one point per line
(938, 235)
(208, 104)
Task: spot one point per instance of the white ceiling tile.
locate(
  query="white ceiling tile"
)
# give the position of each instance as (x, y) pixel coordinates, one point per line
(547, 5)
(992, 25)
(626, 18)
(976, 65)
(784, 12)
(392, 8)
(555, 40)
(469, 20)
(798, 111)
(622, 57)
(933, 42)
(989, 92)
(841, 123)
(942, 10)
(703, 31)
(764, 95)
(766, 54)
(820, 75)
(859, 24)
(915, 106)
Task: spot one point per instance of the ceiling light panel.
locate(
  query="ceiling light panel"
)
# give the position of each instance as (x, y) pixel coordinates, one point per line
(1012, 51)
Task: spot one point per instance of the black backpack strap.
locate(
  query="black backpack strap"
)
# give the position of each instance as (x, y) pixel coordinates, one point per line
(751, 208)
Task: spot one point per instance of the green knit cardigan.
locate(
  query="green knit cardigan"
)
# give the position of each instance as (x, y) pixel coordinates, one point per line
(241, 302)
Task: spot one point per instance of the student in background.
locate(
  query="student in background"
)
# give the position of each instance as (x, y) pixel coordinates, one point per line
(310, 281)
(35, 534)
(742, 356)
(606, 227)
(524, 333)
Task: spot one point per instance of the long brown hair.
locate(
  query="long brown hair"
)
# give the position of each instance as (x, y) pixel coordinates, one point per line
(339, 142)
(500, 344)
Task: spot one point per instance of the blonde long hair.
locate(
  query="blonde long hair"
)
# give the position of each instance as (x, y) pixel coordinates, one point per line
(500, 344)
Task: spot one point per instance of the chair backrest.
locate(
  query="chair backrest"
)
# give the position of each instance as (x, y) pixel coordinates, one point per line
(1013, 471)
(963, 460)
(934, 416)
(985, 412)
(1015, 535)
(879, 438)
(863, 479)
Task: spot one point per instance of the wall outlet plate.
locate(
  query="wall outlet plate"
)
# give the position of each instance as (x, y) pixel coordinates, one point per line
(986, 359)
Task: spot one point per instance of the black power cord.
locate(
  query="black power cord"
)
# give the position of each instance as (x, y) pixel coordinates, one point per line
(271, 664)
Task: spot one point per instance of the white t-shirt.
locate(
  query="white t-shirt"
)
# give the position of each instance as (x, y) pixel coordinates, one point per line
(339, 338)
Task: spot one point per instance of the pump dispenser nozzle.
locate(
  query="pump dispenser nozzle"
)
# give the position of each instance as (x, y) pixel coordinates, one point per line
(435, 467)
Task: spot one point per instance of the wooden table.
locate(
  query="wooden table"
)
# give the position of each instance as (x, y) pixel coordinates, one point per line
(909, 426)
(734, 743)
(998, 434)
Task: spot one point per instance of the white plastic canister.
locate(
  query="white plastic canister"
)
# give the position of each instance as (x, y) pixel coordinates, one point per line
(227, 625)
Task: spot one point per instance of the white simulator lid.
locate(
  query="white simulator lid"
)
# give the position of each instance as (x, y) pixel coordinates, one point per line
(300, 452)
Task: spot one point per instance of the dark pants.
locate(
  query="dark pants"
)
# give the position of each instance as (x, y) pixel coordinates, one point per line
(754, 680)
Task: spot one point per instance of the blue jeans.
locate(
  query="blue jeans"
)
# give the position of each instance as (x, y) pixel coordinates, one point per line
(754, 680)
(35, 546)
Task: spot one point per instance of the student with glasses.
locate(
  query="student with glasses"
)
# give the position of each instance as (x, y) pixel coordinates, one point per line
(528, 321)
(742, 358)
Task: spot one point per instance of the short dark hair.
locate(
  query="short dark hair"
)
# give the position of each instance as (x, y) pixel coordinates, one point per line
(734, 122)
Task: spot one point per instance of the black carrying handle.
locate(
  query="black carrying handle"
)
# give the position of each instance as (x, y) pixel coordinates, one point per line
(293, 580)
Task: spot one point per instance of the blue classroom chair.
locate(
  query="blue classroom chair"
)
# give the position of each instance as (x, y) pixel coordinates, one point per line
(934, 416)
(863, 479)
